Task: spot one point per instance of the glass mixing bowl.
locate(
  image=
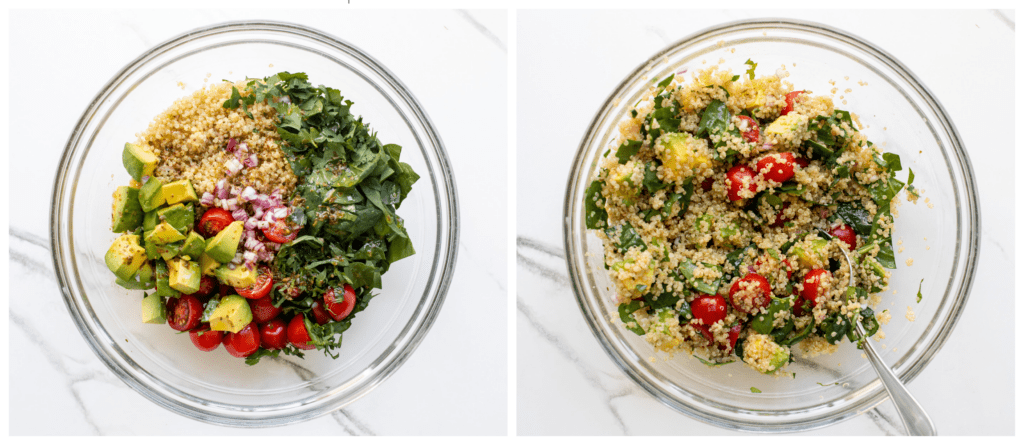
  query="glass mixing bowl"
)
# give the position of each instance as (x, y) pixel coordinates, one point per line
(942, 238)
(213, 386)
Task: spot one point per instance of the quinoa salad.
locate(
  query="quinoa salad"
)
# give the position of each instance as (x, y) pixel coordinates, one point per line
(260, 215)
(725, 205)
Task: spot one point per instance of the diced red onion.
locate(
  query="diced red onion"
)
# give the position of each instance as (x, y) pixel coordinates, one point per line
(257, 211)
(262, 225)
(221, 189)
(231, 145)
(233, 166)
(251, 161)
(207, 199)
(231, 266)
(249, 256)
(230, 204)
(248, 194)
(280, 212)
(250, 224)
(767, 146)
(239, 214)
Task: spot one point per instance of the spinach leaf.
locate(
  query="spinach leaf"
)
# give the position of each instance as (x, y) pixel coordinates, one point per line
(626, 311)
(627, 237)
(627, 150)
(687, 268)
(919, 296)
(597, 216)
(714, 120)
(664, 83)
(856, 216)
(735, 78)
(762, 322)
(834, 327)
(651, 181)
(799, 336)
(869, 322)
(665, 300)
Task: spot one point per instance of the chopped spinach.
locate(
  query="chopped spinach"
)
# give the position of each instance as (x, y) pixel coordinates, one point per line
(626, 311)
(627, 237)
(597, 216)
(627, 150)
(687, 267)
(856, 216)
(919, 296)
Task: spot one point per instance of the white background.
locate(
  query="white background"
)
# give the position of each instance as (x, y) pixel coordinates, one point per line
(569, 62)
(455, 64)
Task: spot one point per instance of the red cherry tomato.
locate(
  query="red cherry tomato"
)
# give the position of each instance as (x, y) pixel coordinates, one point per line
(185, 313)
(801, 306)
(845, 234)
(297, 333)
(753, 133)
(759, 265)
(750, 293)
(261, 288)
(225, 290)
(709, 309)
(206, 286)
(734, 335)
(320, 314)
(243, 343)
(802, 162)
(703, 331)
(790, 98)
(204, 338)
(214, 220)
(273, 334)
(780, 218)
(281, 232)
(340, 309)
(707, 183)
(263, 310)
(738, 178)
(777, 167)
(815, 283)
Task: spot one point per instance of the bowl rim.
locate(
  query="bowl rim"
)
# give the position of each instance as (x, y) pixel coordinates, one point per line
(908, 373)
(439, 278)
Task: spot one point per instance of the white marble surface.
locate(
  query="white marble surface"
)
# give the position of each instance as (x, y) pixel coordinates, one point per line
(453, 384)
(568, 62)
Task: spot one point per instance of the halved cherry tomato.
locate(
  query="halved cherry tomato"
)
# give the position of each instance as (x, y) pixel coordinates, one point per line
(801, 306)
(261, 288)
(790, 97)
(185, 313)
(777, 167)
(297, 333)
(738, 178)
(734, 335)
(320, 314)
(206, 286)
(225, 290)
(707, 183)
(750, 293)
(204, 338)
(263, 310)
(243, 343)
(274, 334)
(281, 232)
(214, 220)
(815, 284)
(780, 218)
(759, 266)
(704, 331)
(340, 309)
(753, 133)
(802, 162)
(709, 309)
(845, 234)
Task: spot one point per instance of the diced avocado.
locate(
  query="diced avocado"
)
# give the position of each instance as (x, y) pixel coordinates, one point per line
(126, 214)
(163, 284)
(682, 153)
(179, 191)
(222, 246)
(151, 251)
(164, 233)
(151, 195)
(179, 216)
(731, 235)
(706, 222)
(138, 160)
(169, 250)
(631, 280)
(785, 128)
(184, 275)
(193, 246)
(811, 253)
(207, 265)
(125, 256)
(143, 279)
(877, 270)
(232, 314)
(154, 310)
(149, 222)
(665, 324)
(760, 348)
(240, 276)
(626, 187)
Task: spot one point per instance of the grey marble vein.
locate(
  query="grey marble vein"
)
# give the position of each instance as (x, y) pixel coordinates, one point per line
(1003, 18)
(540, 247)
(32, 265)
(350, 424)
(30, 238)
(558, 276)
(884, 422)
(483, 30)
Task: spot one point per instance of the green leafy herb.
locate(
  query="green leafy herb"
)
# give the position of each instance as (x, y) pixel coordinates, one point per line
(627, 237)
(687, 267)
(736, 77)
(626, 311)
(755, 390)
(597, 216)
(651, 181)
(753, 66)
(919, 296)
(664, 83)
(853, 214)
(627, 150)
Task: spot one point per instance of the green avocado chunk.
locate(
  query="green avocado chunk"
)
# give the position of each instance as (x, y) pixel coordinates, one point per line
(149, 222)
(169, 250)
(193, 246)
(143, 279)
(222, 246)
(180, 216)
(164, 233)
(125, 256)
(163, 285)
(127, 214)
(240, 276)
(179, 191)
(183, 275)
(138, 160)
(154, 310)
(151, 195)
(232, 314)
(811, 253)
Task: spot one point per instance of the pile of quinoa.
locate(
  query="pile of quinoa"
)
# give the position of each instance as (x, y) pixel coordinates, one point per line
(653, 238)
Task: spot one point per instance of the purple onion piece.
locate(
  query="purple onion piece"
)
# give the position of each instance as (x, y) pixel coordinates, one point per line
(231, 145)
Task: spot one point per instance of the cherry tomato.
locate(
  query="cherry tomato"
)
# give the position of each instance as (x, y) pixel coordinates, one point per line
(780, 218)
(704, 331)
(739, 178)
(340, 309)
(760, 265)
(261, 288)
(734, 335)
(816, 283)
(753, 133)
(206, 286)
(790, 98)
(243, 343)
(263, 310)
(750, 293)
(225, 290)
(320, 314)
(845, 234)
(297, 333)
(214, 220)
(777, 167)
(801, 306)
(274, 334)
(709, 309)
(802, 162)
(707, 183)
(281, 232)
(204, 338)
(185, 313)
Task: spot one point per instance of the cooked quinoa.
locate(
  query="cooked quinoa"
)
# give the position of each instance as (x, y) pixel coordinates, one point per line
(189, 139)
(724, 206)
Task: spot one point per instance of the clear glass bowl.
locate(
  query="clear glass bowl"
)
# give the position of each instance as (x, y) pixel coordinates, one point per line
(904, 118)
(215, 387)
